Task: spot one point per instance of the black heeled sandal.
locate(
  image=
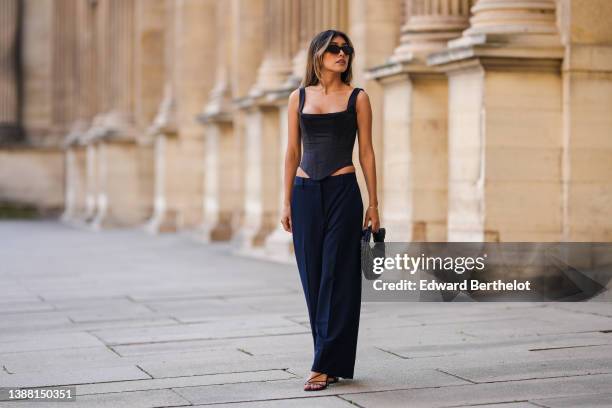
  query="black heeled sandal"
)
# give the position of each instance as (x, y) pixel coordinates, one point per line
(319, 385)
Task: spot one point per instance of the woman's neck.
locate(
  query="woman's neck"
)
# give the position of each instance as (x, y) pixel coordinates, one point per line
(331, 82)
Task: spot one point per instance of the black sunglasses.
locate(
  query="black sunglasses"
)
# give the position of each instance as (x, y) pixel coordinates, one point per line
(335, 49)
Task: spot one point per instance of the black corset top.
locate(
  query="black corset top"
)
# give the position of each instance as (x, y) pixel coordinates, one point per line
(327, 138)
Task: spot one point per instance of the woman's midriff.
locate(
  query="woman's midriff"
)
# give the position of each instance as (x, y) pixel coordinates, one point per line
(346, 169)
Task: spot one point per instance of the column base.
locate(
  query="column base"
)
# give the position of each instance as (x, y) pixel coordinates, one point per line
(243, 244)
(72, 215)
(279, 246)
(125, 185)
(220, 230)
(162, 222)
(11, 134)
(249, 241)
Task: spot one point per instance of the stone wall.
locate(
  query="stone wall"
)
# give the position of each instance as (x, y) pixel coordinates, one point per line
(31, 179)
(490, 118)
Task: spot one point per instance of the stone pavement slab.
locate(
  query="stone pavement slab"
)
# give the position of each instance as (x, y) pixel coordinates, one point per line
(74, 357)
(183, 381)
(42, 320)
(294, 388)
(23, 306)
(578, 387)
(207, 363)
(304, 402)
(67, 376)
(591, 401)
(477, 345)
(59, 322)
(136, 320)
(218, 327)
(524, 404)
(26, 342)
(139, 349)
(485, 371)
(138, 399)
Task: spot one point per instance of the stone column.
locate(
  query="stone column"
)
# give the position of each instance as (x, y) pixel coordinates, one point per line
(248, 23)
(179, 144)
(149, 60)
(121, 36)
(316, 16)
(73, 66)
(65, 74)
(88, 61)
(91, 181)
(194, 73)
(75, 175)
(373, 26)
(37, 53)
(101, 126)
(428, 25)
(515, 18)
(262, 177)
(263, 127)
(505, 124)
(222, 184)
(279, 244)
(80, 199)
(124, 168)
(247, 27)
(10, 110)
(415, 118)
(587, 103)
(163, 133)
(281, 41)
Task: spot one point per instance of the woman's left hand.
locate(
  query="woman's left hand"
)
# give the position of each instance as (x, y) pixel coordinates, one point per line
(372, 216)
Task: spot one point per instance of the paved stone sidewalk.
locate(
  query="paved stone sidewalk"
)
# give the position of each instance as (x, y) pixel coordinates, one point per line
(136, 320)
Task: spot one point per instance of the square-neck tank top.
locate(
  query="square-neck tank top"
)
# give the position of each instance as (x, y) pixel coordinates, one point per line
(327, 138)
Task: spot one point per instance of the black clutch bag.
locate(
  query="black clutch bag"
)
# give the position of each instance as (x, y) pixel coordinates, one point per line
(369, 250)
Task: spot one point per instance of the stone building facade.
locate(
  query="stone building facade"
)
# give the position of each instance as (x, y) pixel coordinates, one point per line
(491, 118)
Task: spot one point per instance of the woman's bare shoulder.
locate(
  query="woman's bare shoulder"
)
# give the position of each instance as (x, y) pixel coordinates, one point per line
(294, 97)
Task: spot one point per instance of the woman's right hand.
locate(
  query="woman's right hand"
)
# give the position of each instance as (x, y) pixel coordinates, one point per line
(286, 217)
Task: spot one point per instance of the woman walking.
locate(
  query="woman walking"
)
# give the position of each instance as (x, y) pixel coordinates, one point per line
(323, 207)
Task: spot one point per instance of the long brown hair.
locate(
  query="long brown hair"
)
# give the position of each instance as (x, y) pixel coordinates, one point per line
(314, 62)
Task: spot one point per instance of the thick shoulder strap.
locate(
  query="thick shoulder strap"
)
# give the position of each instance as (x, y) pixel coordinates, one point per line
(353, 98)
(302, 98)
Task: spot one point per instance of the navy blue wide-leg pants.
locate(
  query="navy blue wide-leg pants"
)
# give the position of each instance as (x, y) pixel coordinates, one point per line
(326, 219)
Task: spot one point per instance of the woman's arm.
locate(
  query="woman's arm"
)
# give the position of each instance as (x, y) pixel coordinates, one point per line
(366, 158)
(292, 157)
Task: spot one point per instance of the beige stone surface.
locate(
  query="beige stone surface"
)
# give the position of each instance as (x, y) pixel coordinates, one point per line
(279, 244)
(124, 196)
(143, 321)
(223, 182)
(9, 92)
(37, 68)
(150, 70)
(262, 178)
(505, 150)
(466, 189)
(587, 101)
(415, 151)
(33, 178)
(75, 183)
(374, 27)
(490, 119)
